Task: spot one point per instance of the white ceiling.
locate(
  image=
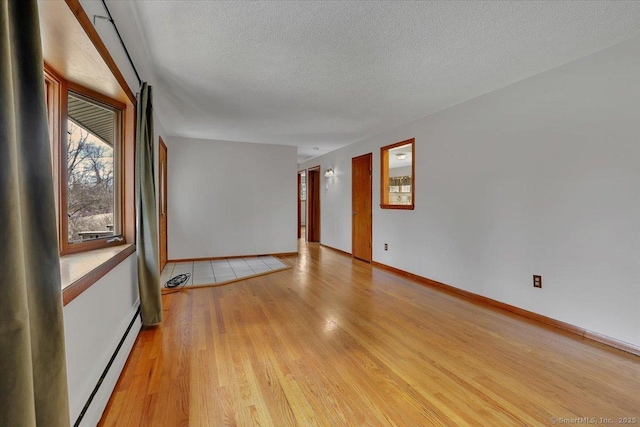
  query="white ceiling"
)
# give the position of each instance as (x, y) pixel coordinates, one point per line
(326, 74)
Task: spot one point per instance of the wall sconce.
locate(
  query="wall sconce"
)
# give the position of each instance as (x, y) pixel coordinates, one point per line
(328, 173)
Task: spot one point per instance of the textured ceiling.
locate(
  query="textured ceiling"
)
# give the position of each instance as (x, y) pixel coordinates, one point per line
(326, 74)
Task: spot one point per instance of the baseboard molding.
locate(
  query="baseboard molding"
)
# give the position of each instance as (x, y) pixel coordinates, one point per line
(278, 255)
(582, 332)
(90, 414)
(340, 251)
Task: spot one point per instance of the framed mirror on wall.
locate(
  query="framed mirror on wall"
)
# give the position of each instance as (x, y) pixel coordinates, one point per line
(397, 175)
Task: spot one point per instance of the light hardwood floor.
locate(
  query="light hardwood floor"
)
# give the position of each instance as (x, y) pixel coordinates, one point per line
(335, 342)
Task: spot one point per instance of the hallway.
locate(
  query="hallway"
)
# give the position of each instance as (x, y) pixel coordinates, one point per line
(337, 342)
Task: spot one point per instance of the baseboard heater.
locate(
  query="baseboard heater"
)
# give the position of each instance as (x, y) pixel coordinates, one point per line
(106, 370)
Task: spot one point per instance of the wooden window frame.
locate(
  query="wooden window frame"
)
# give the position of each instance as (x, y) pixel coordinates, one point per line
(384, 175)
(58, 90)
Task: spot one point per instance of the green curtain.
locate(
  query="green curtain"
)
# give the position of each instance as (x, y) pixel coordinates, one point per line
(147, 223)
(33, 379)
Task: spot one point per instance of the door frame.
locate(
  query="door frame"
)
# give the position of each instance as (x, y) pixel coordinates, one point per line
(162, 202)
(353, 219)
(311, 203)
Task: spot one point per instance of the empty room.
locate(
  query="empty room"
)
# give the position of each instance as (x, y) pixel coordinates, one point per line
(320, 213)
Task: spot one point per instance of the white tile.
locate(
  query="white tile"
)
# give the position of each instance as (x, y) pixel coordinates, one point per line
(202, 264)
(202, 268)
(203, 280)
(275, 263)
(244, 273)
(255, 263)
(199, 274)
(261, 269)
(184, 264)
(220, 261)
(224, 278)
(179, 270)
(223, 272)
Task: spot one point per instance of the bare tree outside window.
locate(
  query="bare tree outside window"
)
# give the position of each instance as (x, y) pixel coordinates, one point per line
(90, 185)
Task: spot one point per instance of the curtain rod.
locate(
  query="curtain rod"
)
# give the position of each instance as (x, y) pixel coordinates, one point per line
(126, 51)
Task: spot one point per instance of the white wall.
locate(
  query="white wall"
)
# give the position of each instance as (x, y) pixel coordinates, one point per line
(540, 177)
(94, 323)
(96, 320)
(230, 198)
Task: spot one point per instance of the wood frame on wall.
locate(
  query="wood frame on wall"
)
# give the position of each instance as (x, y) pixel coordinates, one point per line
(314, 169)
(58, 90)
(370, 213)
(384, 175)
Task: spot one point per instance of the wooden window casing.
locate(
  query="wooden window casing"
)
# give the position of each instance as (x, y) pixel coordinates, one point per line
(385, 202)
(58, 90)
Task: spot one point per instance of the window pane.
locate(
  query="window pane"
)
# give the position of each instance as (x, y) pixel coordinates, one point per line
(400, 175)
(397, 169)
(91, 195)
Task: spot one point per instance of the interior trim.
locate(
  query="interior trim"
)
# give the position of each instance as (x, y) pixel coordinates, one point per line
(479, 299)
(340, 251)
(106, 370)
(80, 285)
(88, 27)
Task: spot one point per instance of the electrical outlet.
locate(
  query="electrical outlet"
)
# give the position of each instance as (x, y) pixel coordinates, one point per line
(386, 247)
(537, 281)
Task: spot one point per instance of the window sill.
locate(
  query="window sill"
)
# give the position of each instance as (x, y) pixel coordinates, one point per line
(79, 271)
(405, 207)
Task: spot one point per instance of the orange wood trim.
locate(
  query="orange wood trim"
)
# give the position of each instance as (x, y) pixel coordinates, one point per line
(405, 207)
(96, 96)
(479, 299)
(311, 205)
(299, 201)
(369, 194)
(612, 342)
(340, 251)
(162, 203)
(54, 92)
(125, 149)
(62, 169)
(384, 175)
(88, 27)
(128, 158)
(72, 291)
(279, 255)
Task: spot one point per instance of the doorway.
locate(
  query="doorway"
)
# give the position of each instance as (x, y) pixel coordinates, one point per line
(361, 207)
(162, 209)
(313, 208)
(302, 203)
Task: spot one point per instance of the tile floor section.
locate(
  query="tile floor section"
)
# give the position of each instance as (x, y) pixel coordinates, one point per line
(218, 271)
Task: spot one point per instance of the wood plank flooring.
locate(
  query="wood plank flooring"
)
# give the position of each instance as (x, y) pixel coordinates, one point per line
(335, 342)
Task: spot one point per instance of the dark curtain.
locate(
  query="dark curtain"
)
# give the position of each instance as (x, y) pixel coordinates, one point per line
(147, 222)
(33, 380)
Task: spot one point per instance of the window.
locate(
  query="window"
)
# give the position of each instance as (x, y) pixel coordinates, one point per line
(90, 162)
(397, 175)
(92, 175)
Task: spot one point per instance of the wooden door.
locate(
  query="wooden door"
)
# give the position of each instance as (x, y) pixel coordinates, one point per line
(313, 208)
(162, 209)
(361, 207)
(299, 202)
